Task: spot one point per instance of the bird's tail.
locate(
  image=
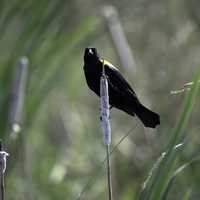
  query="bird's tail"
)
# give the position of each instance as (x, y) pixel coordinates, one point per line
(148, 117)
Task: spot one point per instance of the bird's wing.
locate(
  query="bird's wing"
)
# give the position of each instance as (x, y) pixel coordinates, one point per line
(116, 80)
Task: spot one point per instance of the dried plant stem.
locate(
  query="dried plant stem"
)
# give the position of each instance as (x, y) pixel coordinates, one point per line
(18, 97)
(2, 185)
(100, 167)
(109, 172)
(105, 122)
(118, 36)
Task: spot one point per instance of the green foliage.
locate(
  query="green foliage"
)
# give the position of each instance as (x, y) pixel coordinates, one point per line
(60, 146)
(157, 185)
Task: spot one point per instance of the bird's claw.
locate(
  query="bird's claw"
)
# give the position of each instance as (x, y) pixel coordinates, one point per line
(101, 118)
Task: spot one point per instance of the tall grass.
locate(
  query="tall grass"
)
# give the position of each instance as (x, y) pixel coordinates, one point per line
(157, 185)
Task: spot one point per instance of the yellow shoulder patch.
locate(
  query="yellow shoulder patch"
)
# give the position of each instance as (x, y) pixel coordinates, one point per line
(108, 63)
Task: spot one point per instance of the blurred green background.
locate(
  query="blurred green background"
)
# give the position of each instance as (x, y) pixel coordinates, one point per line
(59, 147)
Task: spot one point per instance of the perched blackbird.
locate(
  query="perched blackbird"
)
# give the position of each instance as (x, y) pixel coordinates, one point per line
(121, 95)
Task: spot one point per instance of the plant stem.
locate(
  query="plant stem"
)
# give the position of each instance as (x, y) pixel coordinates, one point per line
(2, 186)
(109, 172)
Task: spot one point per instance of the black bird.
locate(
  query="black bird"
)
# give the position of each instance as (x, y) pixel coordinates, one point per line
(121, 95)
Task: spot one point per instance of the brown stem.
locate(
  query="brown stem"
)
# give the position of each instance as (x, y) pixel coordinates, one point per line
(109, 172)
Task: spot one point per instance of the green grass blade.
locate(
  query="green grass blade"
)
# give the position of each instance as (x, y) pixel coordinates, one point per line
(187, 195)
(159, 182)
(180, 169)
(152, 177)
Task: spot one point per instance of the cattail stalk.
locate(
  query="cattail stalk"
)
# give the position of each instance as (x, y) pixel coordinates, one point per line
(119, 38)
(18, 96)
(3, 156)
(105, 123)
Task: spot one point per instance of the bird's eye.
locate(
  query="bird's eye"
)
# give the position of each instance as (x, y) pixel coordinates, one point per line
(90, 51)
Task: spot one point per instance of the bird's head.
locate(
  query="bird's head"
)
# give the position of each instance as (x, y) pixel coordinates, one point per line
(91, 55)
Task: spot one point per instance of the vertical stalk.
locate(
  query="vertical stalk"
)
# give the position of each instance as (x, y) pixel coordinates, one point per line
(119, 39)
(109, 172)
(2, 188)
(3, 155)
(105, 122)
(18, 97)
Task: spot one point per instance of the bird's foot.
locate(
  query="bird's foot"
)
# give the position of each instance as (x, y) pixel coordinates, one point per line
(101, 119)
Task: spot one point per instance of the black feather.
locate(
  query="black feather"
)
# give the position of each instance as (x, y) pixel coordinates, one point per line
(121, 94)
